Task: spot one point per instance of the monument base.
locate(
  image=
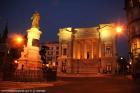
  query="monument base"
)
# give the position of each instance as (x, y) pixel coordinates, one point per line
(29, 70)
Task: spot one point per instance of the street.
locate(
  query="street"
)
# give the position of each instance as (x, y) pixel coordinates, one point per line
(111, 84)
(96, 84)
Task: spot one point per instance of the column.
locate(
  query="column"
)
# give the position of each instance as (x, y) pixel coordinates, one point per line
(91, 49)
(73, 49)
(85, 50)
(97, 47)
(82, 48)
(78, 49)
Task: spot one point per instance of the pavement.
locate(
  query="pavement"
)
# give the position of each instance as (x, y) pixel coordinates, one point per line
(28, 85)
(102, 84)
(72, 82)
(94, 75)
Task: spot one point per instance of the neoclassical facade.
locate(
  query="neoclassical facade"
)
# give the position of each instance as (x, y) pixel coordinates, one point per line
(87, 50)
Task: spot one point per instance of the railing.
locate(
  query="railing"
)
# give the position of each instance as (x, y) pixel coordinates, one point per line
(28, 75)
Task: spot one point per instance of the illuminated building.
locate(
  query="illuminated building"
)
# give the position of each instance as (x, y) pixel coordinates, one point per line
(87, 50)
(52, 52)
(132, 8)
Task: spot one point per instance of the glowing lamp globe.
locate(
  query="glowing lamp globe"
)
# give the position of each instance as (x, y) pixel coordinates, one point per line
(19, 39)
(15, 61)
(119, 29)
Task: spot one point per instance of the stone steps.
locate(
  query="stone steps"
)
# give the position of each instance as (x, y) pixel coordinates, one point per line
(87, 67)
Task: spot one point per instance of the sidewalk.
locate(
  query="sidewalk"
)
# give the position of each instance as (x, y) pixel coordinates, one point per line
(83, 75)
(9, 85)
(94, 75)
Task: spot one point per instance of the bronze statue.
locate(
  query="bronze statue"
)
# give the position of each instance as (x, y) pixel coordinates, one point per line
(35, 19)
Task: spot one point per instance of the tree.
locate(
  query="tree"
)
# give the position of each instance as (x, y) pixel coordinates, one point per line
(13, 53)
(5, 34)
(42, 52)
(122, 65)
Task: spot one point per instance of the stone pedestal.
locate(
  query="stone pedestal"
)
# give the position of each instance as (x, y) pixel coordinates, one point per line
(29, 65)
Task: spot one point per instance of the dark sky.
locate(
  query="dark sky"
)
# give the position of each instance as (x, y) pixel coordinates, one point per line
(56, 14)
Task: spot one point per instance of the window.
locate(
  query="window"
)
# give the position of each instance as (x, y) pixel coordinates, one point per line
(57, 47)
(135, 45)
(56, 57)
(108, 50)
(50, 53)
(64, 51)
(48, 58)
(51, 48)
(108, 68)
(57, 52)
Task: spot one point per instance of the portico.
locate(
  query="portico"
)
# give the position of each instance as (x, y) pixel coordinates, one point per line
(87, 50)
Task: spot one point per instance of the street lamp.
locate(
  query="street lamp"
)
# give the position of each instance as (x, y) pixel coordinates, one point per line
(16, 40)
(119, 29)
(121, 58)
(19, 39)
(16, 61)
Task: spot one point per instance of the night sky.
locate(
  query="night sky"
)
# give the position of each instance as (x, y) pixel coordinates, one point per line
(57, 14)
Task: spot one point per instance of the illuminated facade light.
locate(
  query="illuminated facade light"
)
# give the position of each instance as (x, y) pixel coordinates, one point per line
(105, 34)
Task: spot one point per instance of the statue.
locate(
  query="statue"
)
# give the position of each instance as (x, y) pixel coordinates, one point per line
(35, 19)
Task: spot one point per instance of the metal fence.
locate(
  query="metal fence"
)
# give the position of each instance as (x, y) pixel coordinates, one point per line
(28, 75)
